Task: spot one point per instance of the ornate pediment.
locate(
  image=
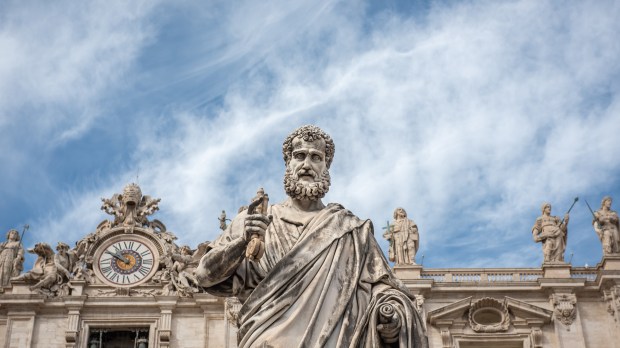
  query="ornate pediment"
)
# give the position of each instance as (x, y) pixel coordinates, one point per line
(504, 319)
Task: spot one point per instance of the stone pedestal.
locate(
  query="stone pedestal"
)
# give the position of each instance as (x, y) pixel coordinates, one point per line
(611, 262)
(77, 287)
(556, 270)
(20, 287)
(407, 271)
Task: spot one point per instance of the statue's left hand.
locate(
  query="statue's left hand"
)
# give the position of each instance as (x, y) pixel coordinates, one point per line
(390, 323)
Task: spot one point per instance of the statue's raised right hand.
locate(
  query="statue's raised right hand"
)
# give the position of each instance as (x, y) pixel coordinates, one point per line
(256, 225)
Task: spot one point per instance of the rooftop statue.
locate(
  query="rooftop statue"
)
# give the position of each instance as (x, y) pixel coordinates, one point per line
(607, 227)
(551, 231)
(11, 257)
(47, 273)
(323, 280)
(179, 270)
(404, 239)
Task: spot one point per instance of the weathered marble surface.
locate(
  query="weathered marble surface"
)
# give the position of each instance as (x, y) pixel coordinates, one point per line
(404, 239)
(551, 231)
(323, 280)
(607, 226)
(11, 258)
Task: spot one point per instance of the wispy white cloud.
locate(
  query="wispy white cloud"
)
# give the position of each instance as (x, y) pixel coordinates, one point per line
(469, 120)
(60, 61)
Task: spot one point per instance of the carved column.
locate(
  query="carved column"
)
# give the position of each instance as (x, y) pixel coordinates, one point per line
(164, 332)
(444, 330)
(566, 318)
(536, 337)
(74, 307)
(231, 308)
(612, 298)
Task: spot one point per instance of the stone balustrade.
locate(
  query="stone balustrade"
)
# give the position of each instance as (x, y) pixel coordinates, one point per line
(499, 275)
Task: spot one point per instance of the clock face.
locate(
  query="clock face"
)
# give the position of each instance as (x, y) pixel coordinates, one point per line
(126, 261)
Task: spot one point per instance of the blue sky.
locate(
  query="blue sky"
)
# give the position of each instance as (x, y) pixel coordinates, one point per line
(467, 114)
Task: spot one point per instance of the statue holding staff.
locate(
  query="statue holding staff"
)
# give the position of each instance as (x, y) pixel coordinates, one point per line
(404, 239)
(11, 257)
(552, 232)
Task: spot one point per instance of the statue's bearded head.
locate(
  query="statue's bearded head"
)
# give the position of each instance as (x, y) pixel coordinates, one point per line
(308, 154)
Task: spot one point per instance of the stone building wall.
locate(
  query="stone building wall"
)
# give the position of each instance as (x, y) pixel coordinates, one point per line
(531, 297)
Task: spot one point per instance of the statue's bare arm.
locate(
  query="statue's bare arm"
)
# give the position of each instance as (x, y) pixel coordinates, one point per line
(221, 262)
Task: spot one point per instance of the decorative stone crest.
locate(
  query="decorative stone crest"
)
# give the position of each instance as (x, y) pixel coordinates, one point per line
(612, 298)
(130, 208)
(489, 315)
(564, 308)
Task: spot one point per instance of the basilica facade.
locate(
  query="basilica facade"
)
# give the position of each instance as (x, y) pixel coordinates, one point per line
(128, 284)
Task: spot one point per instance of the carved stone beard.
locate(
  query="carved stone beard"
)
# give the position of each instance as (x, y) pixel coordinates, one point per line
(301, 190)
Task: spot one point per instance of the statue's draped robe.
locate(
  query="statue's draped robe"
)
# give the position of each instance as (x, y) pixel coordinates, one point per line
(319, 284)
(405, 242)
(553, 232)
(9, 251)
(609, 229)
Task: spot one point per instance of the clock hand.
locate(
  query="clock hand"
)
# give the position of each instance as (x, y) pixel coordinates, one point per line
(118, 256)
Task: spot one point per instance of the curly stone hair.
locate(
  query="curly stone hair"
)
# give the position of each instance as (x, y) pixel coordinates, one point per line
(309, 133)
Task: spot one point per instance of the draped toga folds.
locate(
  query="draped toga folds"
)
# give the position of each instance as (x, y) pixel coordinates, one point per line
(319, 284)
